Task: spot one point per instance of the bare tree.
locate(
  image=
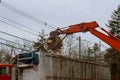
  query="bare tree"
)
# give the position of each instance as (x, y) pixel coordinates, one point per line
(70, 46)
(9, 50)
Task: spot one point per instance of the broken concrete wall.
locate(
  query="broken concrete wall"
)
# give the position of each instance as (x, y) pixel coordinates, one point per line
(56, 67)
(65, 68)
(36, 72)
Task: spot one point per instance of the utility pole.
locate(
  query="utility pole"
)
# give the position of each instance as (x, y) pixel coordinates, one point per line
(79, 47)
(42, 40)
(42, 35)
(100, 46)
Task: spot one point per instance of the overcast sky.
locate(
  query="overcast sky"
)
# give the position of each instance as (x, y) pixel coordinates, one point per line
(57, 13)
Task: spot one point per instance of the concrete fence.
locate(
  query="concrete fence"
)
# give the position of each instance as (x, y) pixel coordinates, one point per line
(65, 68)
(56, 67)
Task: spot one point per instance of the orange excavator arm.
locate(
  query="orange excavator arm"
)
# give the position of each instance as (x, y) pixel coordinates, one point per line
(82, 27)
(91, 27)
(109, 38)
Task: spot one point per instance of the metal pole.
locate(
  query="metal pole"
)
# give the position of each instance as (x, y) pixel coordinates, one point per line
(79, 47)
(100, 46)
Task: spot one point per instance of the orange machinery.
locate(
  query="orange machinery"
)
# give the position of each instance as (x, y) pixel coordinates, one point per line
(107, 37)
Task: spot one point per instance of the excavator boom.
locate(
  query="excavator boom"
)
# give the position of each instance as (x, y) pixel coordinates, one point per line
(109, 38)
(84, 27)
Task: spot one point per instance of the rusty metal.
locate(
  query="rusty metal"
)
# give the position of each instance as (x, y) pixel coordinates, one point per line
(54, 42)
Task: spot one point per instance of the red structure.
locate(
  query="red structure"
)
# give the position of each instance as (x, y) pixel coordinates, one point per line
(5, 71)
(105, 36)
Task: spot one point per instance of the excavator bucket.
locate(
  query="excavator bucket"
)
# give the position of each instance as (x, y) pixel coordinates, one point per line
(54, 42)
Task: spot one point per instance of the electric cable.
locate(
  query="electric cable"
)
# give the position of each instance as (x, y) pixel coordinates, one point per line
(15, 36)
(19, 24)
(13, 42)
(25, 15)
(13, 46)
(18, 27)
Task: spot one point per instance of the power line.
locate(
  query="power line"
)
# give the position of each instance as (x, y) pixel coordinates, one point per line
(25, 15)
(19, 24)
(13, 46)
(18, 28)
(15, 36)
(13, 42)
